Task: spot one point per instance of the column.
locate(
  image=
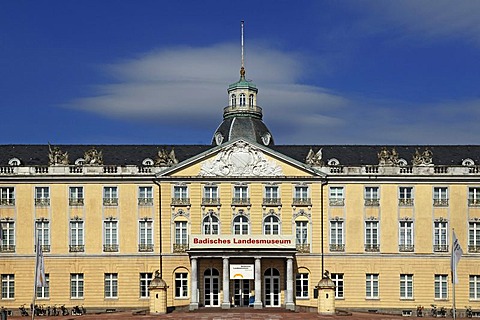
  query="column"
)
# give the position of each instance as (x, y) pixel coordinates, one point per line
(258, 284)
(226, 284)
(289, 304)
(194, 277)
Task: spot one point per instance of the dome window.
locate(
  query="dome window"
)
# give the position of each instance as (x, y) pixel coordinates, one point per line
(242, 99)
(233, 100)
(250, 101)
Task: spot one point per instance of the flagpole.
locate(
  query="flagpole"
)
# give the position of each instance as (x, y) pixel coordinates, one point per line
(32, 308)
(453, 283)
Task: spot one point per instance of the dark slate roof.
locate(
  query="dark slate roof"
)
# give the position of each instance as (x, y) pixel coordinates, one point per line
(348, 155)
(248, 128)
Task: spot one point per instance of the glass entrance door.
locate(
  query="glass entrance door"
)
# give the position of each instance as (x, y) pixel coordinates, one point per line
(241, 292)
(212, 289)
(272, 287)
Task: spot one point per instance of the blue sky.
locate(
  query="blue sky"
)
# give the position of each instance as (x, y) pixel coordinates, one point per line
(156, 72)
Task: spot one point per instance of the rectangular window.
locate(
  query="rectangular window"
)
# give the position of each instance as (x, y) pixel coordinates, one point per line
(181, 285)
(43, 233)
(145, 232)
(77, 243)
(336, 236)
(474, 196)
(406, 286)
(440, 241)
(372, 197)
(75, 196)
(301, 285)
(271, 196)
(371, 283)
(7, 196)
(371, 236)
(145, 196)
(474, 236)
(181, 234)
(8, 286)
(405, 196)
(474, 287)
(337, 279)
(76, 285)
(110, 236)
(210, 195)
(44, 292)
(441, 286)
(110, 196)
(301, 196)
(42, 196)
(8, 236)
(145, 279)
(440, 196)
(240, 195)
(111, 285)
(405, 236)
(336, 196)
(301, 236)
(180, 195)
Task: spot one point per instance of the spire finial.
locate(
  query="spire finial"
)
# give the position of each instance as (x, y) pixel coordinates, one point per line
(242, 69)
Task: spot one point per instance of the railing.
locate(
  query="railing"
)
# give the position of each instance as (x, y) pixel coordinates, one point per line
(253, 110)
(76, 248)
(302, 201)
(337, 247)
(473, 249)
(41, 170)
(75, 202)
(180, 201)
(240, 201)
(145, 201)
(145, 247)
(43, 247)
(7, 170)
(336, 169)
(272, 202)
(406, 248)
(7, 248)
(7, 202)
(42, 202)
(405, 202)
(371, 169)
(372, 247)
(336, 202)
(440, 169)
(110, 201)
(473, 202)
(440, 202)
(110, 248)
(440, 248)
(76, 169)
(210, 201)
(372, 202)
(145, 170)
(110, 169)
(180, 247)
(406, 170)
(303, 248)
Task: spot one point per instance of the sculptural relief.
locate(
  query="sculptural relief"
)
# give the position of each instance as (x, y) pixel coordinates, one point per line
(93, 157)
(423, 159)
(388, 158)
(314, 159)
(56, 156)
(166, 159)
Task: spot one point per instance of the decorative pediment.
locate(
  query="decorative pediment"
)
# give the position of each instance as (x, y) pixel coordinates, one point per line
(240, 159)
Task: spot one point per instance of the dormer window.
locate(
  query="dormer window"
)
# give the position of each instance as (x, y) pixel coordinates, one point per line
(147, 162)
(14, 162)
(242, 99)
(233, 100)
(79, 162)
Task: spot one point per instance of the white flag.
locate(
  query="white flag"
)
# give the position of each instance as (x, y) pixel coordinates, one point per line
(41, 280)
(456, 255)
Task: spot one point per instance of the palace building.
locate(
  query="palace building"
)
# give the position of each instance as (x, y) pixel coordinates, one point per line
(241, 222)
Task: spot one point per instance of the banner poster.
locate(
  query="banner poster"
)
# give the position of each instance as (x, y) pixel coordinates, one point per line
(242, 271)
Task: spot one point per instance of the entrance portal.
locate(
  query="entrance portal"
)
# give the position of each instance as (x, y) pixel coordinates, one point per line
(212, 288)
(272, 287)
(241, 292)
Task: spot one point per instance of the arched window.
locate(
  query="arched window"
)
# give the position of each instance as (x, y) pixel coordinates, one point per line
(241, 225)
(210, 224)
(233, 100)
(242, 99)
(250, 101)
(271, 225)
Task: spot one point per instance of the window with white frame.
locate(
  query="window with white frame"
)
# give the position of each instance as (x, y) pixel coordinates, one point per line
(233, 100)
(440, 239)
(110, 230)
(371, 236)
(43, 233)
(181, 232)
(371, 285)
(301, 196)
(180, 195)
(336, 196)
(405, 196)
(76, 285)
(474, 196)
(474, 236)
(145, 235)
(7, 196)
(145, 279)
(406, 286)
(8, 236)
(42, 196)
(241, 225)
(77, 241)
(372, 197)
(181, 285)
(405, 236)
(301, 286)
(240, 195)
(271, 225)
(441, 286)
(242, 99)
(145, 196)
(210, 195)
(440, 196)
(211, 224)
(271, 196)
(337, 279)
(474, 287)
(75, 196)
(110, 196)
(44, 292)
(250, 101)
(111, 285)
(301, 233)
(336, 236)
(8, 286)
